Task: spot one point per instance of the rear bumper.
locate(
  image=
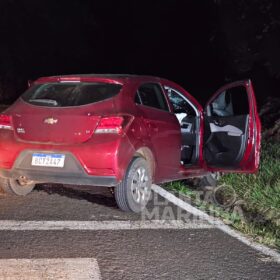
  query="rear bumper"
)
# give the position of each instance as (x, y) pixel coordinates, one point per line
(101, 156)
(60, 178)
(71, 173)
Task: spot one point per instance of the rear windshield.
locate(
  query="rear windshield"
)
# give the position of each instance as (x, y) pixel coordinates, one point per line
(69, 94)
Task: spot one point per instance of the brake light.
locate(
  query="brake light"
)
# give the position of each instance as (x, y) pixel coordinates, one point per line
(110, 125)
(5, 122)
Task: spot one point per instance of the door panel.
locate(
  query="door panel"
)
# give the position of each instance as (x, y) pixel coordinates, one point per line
(163, 130)
(232, 129)
(163, 134)
(226, 140)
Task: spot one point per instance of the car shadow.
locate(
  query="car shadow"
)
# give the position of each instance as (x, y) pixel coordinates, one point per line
(100, 195)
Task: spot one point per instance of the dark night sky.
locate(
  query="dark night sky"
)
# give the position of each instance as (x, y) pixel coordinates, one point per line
(199, 44)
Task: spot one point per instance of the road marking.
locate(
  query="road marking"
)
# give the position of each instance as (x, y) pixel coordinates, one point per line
(216, 223)
(43, 269)
(100, 225)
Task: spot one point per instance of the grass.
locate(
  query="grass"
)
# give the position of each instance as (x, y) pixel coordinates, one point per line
(259, 195)
(260, 191)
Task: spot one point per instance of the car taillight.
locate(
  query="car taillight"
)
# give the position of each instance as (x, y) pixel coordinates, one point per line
(114, 125)
(5, 122)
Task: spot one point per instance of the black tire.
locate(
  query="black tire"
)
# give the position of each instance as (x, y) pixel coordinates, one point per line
(133, 193)
(13, 187)
(210, 180)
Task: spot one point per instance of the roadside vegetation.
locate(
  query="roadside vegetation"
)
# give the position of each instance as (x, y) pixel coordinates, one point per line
(255, 207)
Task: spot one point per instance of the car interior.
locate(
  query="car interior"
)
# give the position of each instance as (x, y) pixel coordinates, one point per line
(188, 118)
(226, 122)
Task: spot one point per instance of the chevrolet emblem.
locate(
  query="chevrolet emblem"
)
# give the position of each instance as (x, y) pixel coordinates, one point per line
(50, 121)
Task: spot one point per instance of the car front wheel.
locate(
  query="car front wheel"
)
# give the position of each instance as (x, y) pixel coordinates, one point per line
(133, 193)
(20, 187)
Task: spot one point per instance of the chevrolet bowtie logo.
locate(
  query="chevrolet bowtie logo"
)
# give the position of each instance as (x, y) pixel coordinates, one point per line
(50, 121)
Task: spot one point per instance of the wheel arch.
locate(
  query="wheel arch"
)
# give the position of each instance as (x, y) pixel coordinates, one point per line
(147, 154)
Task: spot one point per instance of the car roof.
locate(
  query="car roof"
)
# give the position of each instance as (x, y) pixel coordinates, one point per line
(115, 77)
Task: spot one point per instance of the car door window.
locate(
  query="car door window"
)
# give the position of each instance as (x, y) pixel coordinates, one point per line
(180, 104)
(231, 102)
(151, 95)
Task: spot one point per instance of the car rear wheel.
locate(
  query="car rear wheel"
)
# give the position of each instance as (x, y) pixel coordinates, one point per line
(133, 193)
(20, 187)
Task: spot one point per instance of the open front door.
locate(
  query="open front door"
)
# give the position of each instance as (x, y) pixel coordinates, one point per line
(232, 129)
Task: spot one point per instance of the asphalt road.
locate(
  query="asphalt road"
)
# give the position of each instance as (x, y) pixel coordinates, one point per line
(129, 248)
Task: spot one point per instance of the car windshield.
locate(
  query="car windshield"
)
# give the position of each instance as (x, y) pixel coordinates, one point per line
(69, 94)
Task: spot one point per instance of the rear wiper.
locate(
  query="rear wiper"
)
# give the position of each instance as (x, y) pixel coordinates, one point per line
(48, 101)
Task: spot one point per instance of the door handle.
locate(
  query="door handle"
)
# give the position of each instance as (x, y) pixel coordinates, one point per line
(219, 122)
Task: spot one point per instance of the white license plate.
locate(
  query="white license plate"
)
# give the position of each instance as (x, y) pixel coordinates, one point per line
(48, 160)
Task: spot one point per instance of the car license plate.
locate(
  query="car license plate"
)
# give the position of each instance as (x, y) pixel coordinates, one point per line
(48, 160)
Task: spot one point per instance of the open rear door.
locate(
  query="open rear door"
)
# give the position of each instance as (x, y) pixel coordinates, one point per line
(232, 129)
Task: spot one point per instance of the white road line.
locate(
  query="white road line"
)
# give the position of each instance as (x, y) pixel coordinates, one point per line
(217, 223)
(43, 269)
(100, 225)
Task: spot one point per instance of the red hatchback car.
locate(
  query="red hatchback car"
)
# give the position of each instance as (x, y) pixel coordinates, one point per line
(126, 132)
